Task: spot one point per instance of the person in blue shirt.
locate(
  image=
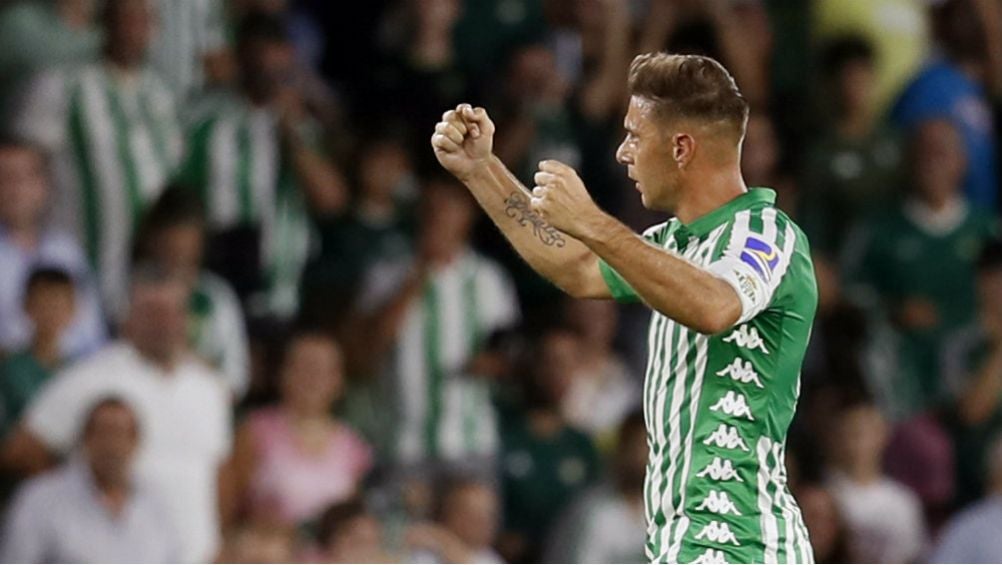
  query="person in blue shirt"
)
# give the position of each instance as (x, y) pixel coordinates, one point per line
(950, 86)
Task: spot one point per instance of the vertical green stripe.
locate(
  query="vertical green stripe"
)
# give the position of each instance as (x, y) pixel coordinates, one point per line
(88, 181)
(433, 361)
(195, 172)
(245, 189)
(781, 223)
(124, 148)
(755, 223)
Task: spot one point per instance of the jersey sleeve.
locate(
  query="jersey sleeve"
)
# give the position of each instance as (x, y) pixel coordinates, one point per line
(753, 262)
(620, 289)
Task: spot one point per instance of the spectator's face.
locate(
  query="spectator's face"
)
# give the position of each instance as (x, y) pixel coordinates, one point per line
(647, 153)
(179, 249)
(24, 188)
(131, 30)
(312, 375)
(472, 514)
(383, 168)
(110, 442)
(267, 67)
(856, 82)
(938, 161)
(760, 152)
(533, 76)
(446, 220)
(862, 435)
(158, 317)
(359, 536)
(51, 308)
(436, 15)
(594, 320)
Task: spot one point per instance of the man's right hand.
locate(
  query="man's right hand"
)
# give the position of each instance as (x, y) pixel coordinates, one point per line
(463, 140)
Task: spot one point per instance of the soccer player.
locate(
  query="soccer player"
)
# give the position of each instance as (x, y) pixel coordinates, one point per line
(732, 287)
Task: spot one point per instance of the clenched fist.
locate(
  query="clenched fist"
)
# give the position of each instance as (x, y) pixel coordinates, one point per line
(561, 199)
(463, 140)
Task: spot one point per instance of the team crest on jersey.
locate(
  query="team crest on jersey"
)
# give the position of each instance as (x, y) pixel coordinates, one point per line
(760, 256)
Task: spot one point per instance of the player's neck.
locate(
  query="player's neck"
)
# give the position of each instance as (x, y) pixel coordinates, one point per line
(708, 191)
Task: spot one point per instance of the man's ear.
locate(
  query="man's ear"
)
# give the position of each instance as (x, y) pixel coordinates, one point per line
(683, 149)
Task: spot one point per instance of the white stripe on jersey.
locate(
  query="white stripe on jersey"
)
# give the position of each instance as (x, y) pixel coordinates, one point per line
(768, 523)
(223, 202)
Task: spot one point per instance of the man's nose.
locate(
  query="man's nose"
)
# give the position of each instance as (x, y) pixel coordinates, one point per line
(621, 154)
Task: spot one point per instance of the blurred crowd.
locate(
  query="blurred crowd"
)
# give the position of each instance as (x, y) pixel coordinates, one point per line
(244, 317)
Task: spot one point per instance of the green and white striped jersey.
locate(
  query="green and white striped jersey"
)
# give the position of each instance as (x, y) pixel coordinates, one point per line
(115, 142)
(442, 412)
(718, 406)
(218, 333)
(236, 160)
(189, 30)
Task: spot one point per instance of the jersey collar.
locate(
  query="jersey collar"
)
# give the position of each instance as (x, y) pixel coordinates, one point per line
(710, 221)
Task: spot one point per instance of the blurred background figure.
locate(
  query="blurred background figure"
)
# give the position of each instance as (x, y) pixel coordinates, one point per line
(27, 240)
(607, 524)
(293, 460)
(883, 518)
(112, 129)
(465, 528)
(972, 537)
(182, 405)
(92, 509)
(545, 462)
(349, 533)
(829, 537)
(172, 236)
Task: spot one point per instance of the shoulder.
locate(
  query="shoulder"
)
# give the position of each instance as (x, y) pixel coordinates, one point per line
(657, 232)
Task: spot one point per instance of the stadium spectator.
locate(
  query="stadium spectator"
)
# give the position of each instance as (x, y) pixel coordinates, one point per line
(467, 523)
(972, 369)
(854, 166)
(349, 533)
(50, 302)
(182, 405)
(973, 535)
(38, 34)
(433, 312)
(893, 257)
(294, 460)
(378, 226)
(27, 241)
(255, 161)
(92, 510)
(951, 87)
(112, 130)
(883, 518)
(602, 392)
(545, 462)
(172, 236)
(606, 525)
(824, 523)
(763, 162)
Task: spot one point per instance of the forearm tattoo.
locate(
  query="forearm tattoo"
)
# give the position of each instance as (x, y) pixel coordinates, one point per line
(517, 206)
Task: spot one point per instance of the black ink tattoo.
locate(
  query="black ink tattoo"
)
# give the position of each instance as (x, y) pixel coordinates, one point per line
(516, 206)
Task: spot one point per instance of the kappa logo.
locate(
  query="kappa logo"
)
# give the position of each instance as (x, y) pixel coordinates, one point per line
(726, 437)
(733, 404)
(719, 470)
(741, 371)
(718, 502)
(711, 556)
(760, 256)
(748, 338)
(717, 532)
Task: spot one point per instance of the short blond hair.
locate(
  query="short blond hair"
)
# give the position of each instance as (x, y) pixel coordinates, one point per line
(689, 86)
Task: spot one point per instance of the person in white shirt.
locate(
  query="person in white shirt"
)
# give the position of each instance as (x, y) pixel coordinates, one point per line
(183, 408)
(973, 535)
(468, 520)
(883, 517)
(92, 510)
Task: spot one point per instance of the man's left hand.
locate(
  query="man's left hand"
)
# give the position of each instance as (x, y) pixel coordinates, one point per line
(561, 199)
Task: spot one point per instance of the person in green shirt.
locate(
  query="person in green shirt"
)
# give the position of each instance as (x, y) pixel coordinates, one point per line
(50, 303)
(544, 462)
(913, 266)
